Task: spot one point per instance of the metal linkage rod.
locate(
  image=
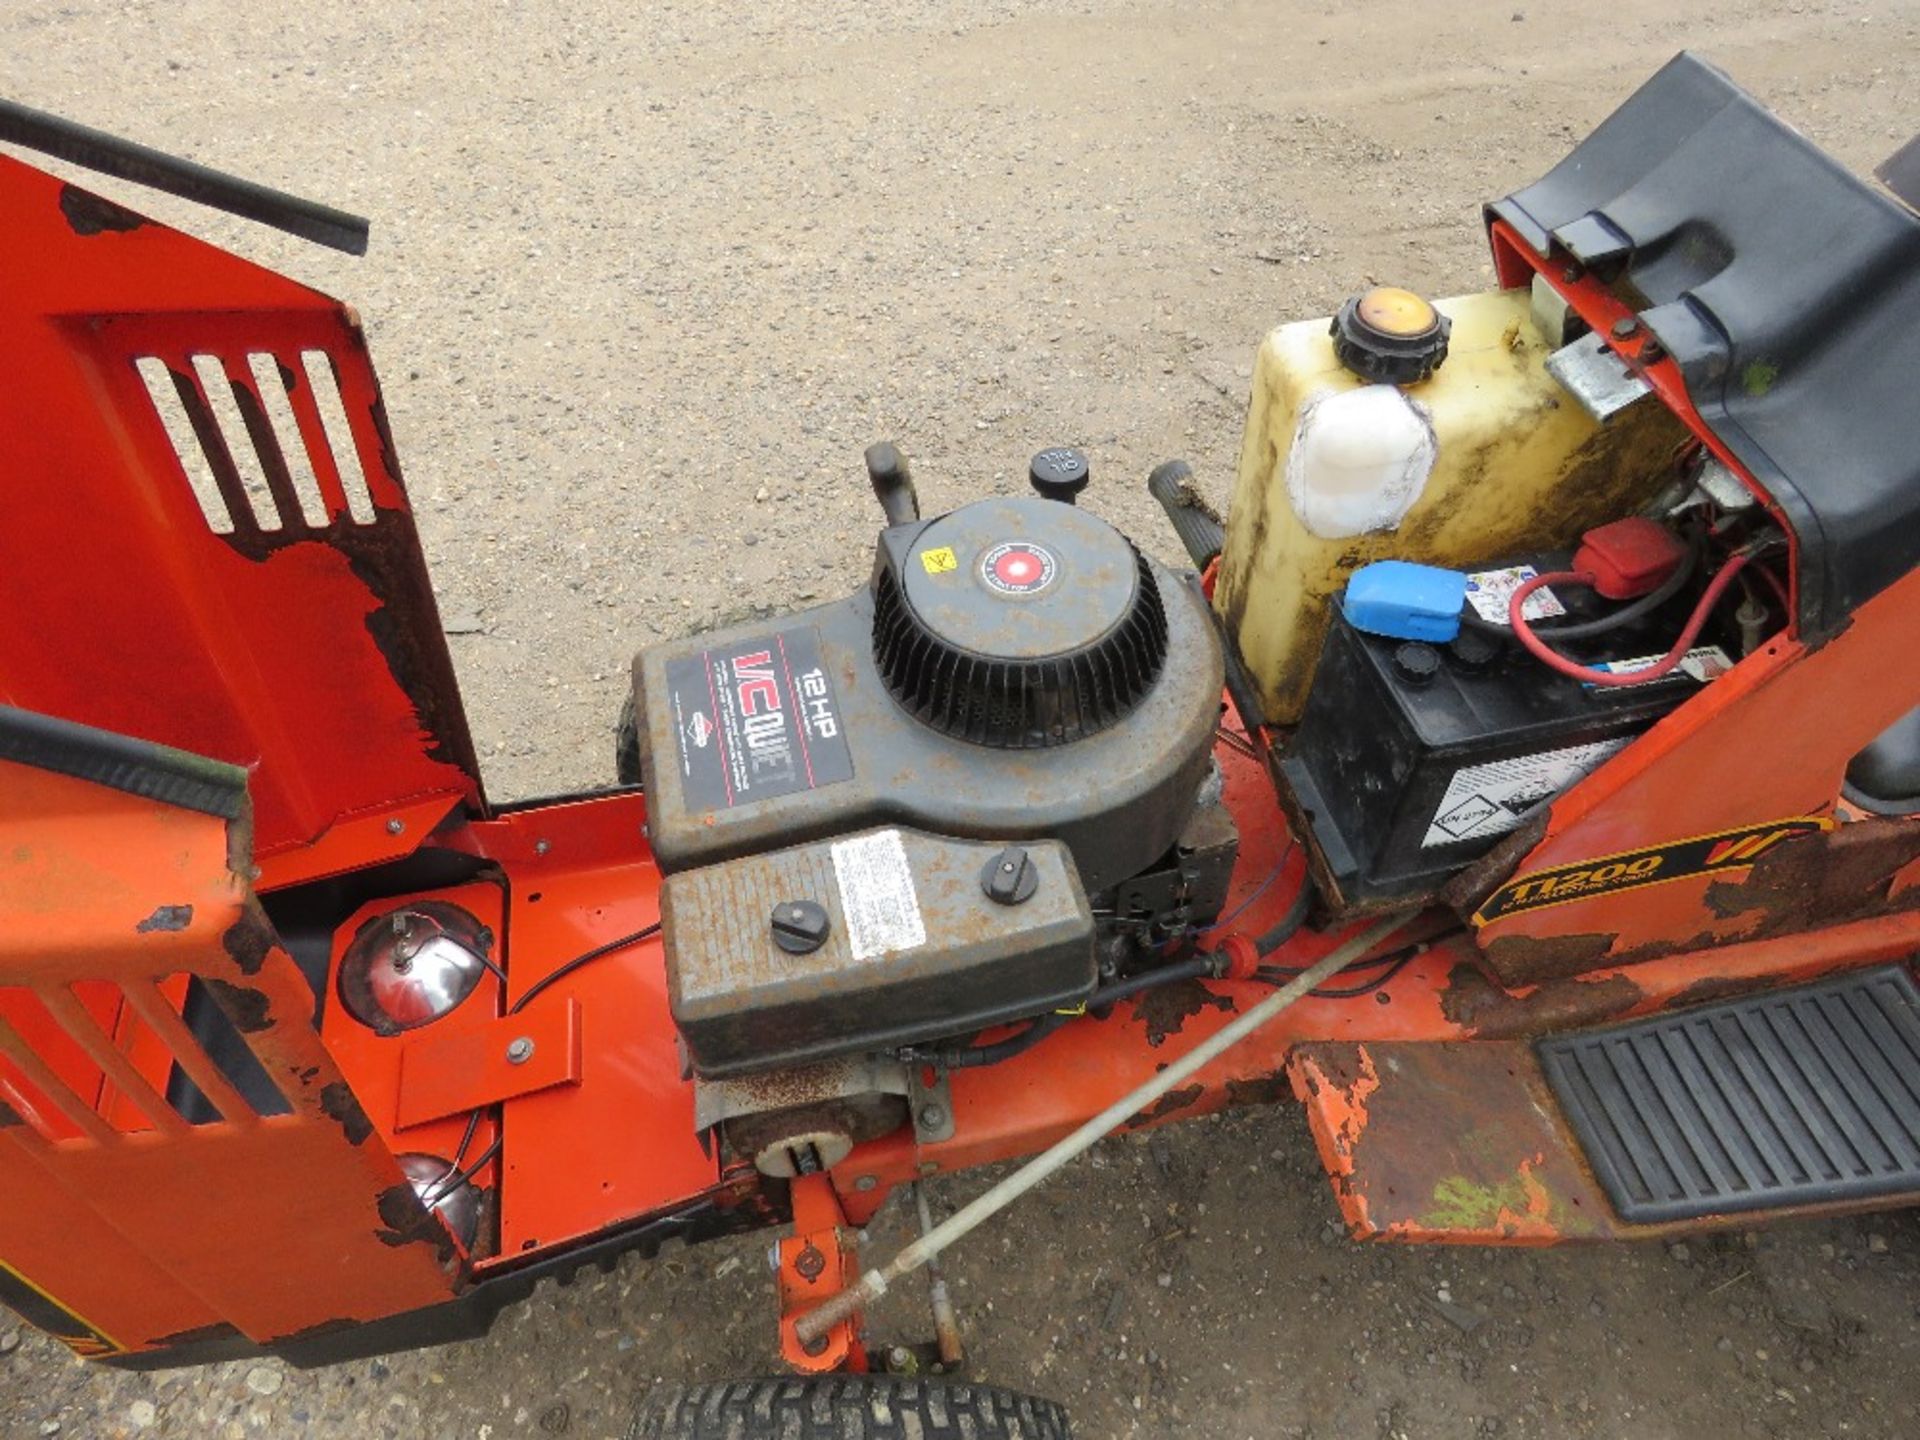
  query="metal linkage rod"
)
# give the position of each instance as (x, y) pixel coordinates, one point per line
(875, 1283)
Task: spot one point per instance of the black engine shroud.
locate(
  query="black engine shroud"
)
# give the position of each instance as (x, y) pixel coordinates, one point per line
(1015, 672)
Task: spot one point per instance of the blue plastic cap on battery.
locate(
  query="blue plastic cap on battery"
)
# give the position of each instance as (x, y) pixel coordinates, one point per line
(1404, 601)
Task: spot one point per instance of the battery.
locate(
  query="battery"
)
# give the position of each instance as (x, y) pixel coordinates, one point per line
(1412, 760)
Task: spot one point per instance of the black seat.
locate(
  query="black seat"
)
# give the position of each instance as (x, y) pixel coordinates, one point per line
(1785, 288)
(1885, 777)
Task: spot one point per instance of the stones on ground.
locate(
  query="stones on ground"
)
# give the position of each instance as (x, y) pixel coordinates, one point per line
(141, 1413)
(1463, 1318)
(464, 622)
(9, 1342)
(265, 1380)
(1162, 1154)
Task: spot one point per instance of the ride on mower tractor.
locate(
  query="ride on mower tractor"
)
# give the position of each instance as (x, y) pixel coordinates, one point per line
(1523, 778)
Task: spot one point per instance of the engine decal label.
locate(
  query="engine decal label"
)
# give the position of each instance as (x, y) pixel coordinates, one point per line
(1634, 869)
(1018, 567)
(1487, 800)
(939, 560)
(877, 895)
(756, 720)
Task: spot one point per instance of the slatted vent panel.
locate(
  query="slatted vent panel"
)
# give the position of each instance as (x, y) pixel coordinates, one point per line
(262, 439)
(99, 1059)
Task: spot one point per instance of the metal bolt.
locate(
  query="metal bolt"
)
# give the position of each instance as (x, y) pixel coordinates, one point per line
(519, 1050)
(541, 847)
(900, 1360)
(396, 827)
(1625, 327)
(865, 1183)
(932, 1116)
(810, 1263)
(1573, 272)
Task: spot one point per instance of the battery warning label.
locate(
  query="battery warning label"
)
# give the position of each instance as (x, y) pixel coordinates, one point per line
(1487, 800)
(756, 720)
(1488, 592)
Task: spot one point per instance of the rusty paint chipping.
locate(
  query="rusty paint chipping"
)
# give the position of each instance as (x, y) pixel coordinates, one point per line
(166, 918)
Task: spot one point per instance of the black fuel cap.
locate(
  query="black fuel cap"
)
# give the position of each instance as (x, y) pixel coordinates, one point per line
(800, 926)
(1059, 473)
(1010, 878)
(1390, 336)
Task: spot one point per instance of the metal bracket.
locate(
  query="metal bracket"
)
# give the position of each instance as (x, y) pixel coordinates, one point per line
(932, 1105)
(452, 1072)
(818, 1261)
(1598, 378)
(718, 1100)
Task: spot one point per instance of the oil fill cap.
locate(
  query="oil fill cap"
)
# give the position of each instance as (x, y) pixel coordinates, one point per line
(800, 927)
(1059, 473)
(1390, 336)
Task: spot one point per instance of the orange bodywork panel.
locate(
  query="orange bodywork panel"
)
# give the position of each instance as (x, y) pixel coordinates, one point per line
(204, 517)
(117, 1208)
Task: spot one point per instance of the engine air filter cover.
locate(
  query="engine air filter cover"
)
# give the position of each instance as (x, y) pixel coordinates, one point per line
(1018, 623)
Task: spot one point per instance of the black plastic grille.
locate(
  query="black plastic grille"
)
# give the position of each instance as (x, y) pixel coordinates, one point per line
(1019, 704)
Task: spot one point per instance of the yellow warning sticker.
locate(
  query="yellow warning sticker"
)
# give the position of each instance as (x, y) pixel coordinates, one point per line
(939, 561)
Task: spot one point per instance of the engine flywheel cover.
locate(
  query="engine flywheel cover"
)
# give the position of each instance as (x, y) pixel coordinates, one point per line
(1019, 623)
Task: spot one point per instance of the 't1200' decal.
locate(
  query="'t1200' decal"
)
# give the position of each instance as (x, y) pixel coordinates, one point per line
(1635, 869)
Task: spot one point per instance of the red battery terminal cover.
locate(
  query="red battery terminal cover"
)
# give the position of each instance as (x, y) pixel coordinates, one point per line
(1629, 557)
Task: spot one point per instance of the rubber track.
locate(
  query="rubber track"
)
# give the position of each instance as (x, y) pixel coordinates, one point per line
(846, 1408)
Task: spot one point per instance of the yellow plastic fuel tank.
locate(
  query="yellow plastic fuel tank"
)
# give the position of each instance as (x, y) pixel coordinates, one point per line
(1488, 459)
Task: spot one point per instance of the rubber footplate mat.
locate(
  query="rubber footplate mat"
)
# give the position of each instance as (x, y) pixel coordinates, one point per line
(1792, 1097)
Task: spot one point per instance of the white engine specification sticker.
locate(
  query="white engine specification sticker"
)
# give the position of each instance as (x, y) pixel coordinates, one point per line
(1489, 590)
(877, 895)
(1484, 800)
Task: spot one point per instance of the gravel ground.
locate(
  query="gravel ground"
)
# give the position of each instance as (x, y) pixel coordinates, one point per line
(645, 280)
